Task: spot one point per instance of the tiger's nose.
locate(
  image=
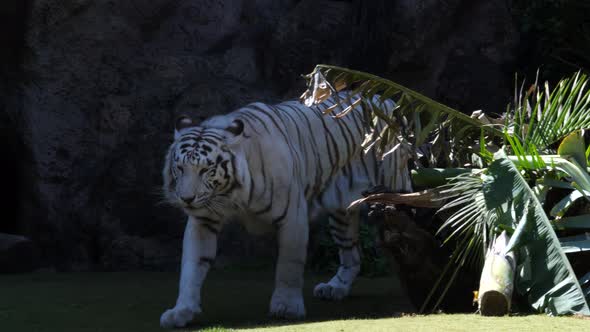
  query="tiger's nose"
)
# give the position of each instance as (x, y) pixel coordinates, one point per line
(188, 200)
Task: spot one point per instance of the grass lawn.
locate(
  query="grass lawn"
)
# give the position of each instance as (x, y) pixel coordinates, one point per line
(465, 322)
(231, 300)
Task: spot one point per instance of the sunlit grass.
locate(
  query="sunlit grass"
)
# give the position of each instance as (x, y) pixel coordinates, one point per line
(458, 322)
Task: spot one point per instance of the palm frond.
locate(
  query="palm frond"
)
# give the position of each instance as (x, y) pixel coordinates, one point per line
(469, 225)
(546, 276)
(500, 198)
(542, 116)
(416, 120)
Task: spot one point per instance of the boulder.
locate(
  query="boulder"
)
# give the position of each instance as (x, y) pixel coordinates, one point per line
(17, 254)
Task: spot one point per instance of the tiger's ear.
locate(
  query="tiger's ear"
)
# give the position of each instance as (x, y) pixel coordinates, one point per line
(182, 121)
(236, 132)
(236, 127)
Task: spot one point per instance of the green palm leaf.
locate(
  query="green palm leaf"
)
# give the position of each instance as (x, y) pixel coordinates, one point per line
(545, 275)
(542, 116)
(499, 197)
(416, 119)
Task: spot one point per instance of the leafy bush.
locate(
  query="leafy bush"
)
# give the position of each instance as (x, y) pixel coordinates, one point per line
(323, 257)
(537, 145)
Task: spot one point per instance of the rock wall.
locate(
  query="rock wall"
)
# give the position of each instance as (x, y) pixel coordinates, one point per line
(89, 98)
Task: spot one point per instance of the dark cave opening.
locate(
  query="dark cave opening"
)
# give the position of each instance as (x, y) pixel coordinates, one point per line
(11, 190)
(13, 23)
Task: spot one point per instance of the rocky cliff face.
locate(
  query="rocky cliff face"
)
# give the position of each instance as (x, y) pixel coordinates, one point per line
(88, 97)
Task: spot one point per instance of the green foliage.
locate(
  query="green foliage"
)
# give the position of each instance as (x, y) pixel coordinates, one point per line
(573, 145)
(545, 275)
(500, 198)
(508, 191)
(434, 177)
(324, 257)
(542, 117)
(373, 263)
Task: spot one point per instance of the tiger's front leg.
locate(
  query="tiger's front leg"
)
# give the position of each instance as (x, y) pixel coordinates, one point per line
(293, 231)
(199, 248)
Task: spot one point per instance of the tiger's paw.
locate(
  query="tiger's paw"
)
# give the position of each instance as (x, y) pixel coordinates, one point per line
(287, 303)
(178, 316)
(328, 291)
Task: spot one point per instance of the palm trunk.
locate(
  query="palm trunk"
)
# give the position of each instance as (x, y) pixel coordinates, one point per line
(497, 280)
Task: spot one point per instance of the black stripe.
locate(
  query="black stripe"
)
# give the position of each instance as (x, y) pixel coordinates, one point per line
(339, 194)
(251, 191)
(212, 132)
(269, 206)
(356, 124)
(210, 141)
(278, 219)
(350, 182)
(364, 163)
(259, 119)
(206, 260)
(376, 165)
(299, 138)
(257, 108)
(328, 133)
(333, 229)
(210, 228)
(349, 151)
(318, 160)
(188, 138)
(345, 170)
(251, 117)
(296, 153)
(235, 183)
(341, 239)
(353, 141)
(282, 216)
(207, 220)
(337, 220)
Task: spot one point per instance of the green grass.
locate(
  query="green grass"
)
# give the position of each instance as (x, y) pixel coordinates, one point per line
(232, 300)
(464, 322)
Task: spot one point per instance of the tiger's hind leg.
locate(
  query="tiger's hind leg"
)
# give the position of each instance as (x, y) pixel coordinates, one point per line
(344, 230)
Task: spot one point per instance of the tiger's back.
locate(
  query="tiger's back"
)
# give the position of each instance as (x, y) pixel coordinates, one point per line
(294, 145)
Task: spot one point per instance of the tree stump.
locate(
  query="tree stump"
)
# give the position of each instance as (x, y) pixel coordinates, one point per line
(497, 280)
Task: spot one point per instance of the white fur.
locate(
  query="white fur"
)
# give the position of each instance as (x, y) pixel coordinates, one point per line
(195, 242)
(339, 286)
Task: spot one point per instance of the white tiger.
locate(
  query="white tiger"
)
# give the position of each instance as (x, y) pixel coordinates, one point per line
(273, 167)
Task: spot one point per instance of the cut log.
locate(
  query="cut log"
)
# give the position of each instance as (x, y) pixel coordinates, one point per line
(497, 280)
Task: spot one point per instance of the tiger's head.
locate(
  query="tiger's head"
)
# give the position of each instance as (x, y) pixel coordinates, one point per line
(200, 168)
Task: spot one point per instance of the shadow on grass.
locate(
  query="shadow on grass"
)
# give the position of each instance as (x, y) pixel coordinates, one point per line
(240, 299)
(134, 301)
